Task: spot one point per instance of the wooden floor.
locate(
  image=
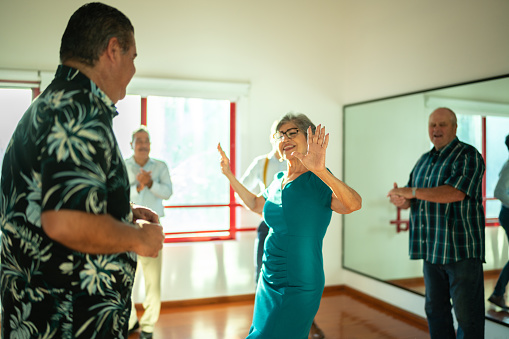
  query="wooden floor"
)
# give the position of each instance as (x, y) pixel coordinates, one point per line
(344, 314)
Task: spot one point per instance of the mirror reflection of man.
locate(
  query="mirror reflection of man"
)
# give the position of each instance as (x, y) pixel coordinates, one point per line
(444, 194)
(150, 185)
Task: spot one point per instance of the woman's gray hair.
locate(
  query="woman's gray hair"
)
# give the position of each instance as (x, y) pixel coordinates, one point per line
(299, 119)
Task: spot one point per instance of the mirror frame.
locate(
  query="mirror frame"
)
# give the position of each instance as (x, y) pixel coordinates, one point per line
(345, 107)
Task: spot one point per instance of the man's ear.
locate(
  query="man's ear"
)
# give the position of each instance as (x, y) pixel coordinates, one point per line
(112, 49)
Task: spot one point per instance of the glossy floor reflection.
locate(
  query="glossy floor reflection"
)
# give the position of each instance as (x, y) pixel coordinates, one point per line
(490, 279)
(343, 314)
(493, 312)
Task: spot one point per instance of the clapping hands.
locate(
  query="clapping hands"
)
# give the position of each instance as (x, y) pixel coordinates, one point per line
(144, 178)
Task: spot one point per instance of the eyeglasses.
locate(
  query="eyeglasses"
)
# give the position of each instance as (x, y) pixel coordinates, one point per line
(290, 134)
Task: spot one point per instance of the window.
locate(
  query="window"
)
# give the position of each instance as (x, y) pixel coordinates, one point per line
(14, 102)
(184, 133)
(487, 134)
(126, 122)
(497, 128)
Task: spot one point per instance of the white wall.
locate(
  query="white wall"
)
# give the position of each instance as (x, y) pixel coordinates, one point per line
(300, 55)
(399, 46)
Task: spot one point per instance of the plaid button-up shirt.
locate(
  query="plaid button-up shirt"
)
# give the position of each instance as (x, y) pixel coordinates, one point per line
(447, 233)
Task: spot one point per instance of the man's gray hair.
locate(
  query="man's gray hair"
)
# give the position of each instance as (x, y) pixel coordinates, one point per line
(142, 128)
(454, 120)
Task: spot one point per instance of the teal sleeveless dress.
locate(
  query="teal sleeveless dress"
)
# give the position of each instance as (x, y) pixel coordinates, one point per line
(292, 278)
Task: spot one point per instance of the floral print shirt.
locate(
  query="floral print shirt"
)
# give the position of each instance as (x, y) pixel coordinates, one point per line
(63, 155)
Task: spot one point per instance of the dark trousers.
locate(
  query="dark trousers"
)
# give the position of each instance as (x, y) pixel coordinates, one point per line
(503, 279)
(262, 232)
(463, 282)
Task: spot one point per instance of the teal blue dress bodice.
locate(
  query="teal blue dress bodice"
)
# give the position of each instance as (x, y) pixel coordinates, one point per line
(292, 280)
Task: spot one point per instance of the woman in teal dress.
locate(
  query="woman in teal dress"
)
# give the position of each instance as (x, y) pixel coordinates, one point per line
(297, 207)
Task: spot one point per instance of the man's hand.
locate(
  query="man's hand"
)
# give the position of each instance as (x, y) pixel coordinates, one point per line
(144, 213)
(397, 196)
(151, 239)
(144, 178)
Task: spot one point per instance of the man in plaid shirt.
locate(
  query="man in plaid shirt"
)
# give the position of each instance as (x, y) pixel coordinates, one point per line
(444, 194)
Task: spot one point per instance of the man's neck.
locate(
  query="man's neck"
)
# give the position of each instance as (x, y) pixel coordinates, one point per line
(142, 161)
(97, 74)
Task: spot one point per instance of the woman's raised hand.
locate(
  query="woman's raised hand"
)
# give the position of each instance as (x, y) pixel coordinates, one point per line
(225, 162)
(314, 159)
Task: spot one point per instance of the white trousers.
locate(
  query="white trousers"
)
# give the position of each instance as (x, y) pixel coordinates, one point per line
(152, 304)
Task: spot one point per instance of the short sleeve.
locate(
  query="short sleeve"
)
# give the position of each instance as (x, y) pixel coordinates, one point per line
(77, 155)
(323, 192)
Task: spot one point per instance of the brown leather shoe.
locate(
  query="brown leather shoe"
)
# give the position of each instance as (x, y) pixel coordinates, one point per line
(316, 332)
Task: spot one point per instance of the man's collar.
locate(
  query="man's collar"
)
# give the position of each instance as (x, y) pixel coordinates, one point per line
(149, 160)
(449, 146)
(68, 73)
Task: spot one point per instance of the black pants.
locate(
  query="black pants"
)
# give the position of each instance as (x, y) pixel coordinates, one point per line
(262, 232)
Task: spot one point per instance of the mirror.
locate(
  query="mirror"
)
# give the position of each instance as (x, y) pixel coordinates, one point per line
(383, 139)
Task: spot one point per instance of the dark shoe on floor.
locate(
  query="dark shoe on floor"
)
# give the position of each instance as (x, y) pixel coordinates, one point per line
(135, 327)
(316, 332)
(145, 335)
(499, 301)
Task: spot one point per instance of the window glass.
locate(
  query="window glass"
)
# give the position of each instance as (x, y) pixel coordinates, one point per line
(14, 102)
(497, 128)
(184, 133)
(469, 130)
(127, 120)
(196, 219)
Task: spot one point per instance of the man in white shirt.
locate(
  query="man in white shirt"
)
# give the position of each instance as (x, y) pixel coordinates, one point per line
(150, 184)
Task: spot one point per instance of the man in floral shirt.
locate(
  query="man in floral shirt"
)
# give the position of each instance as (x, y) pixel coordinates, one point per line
(68, 242)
